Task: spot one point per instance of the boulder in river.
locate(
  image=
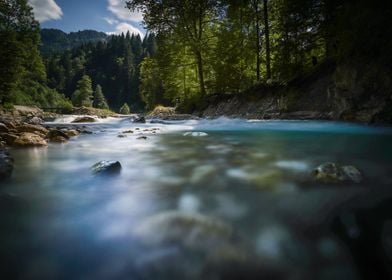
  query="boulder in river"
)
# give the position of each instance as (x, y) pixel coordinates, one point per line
(71, 133)
(31, 128)
(333, 173)
(9, 138)
(36, 121)
(6, 165)
(59, 139)
(56, 135)
(106, 167)
(28, 139)
(85, 119)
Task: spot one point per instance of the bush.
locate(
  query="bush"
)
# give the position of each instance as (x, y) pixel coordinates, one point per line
(8, 106)
(124, 110)
(65, 106)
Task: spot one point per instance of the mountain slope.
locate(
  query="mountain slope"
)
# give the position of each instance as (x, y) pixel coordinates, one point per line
(56, 41)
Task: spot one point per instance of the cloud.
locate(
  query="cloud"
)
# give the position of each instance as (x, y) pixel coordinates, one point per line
(118, 8)
(124, 27)
(45, 10)
(111, 21)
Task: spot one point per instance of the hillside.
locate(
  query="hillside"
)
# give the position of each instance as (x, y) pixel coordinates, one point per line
(56, 41)
(332, 91)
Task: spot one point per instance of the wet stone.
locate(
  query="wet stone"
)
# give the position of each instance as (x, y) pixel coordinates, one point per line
(106, 167)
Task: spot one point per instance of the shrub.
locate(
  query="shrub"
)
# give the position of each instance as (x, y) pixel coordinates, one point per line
(124, 110)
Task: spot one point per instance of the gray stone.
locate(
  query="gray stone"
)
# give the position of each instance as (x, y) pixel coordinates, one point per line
(106, 167)
(84, 120)
(333, 173)
(55, 134)
(36, 121)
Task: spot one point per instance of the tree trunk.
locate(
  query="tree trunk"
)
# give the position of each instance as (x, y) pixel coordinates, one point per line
(258, 47)
(199, 61)
(267, 40)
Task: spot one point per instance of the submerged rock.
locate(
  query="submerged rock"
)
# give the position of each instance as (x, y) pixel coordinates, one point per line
(142, 138)
(196, 134)
(352, 173)
(195, 246)
(106, 167)
(59, 139)
(267, 179)
(58, 136)
(84, 131)
(72, 133)
(193, 231)
(139, 120)
(6, 165)
(84, 120)
(28, 139)
(333, 173)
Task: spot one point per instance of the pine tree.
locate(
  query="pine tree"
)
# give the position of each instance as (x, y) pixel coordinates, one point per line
(83, 95)
(99, 99)
(20, 62)
(125, 109)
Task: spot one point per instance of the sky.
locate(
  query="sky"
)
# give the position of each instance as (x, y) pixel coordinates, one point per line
(108, 16)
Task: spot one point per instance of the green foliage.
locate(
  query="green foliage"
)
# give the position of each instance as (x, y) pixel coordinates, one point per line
(8, 106)
(151, 87)
(22, 72)
(57, 41)
(19, 57)
(99, 99)
(198, 48)
(192, 104)
(125, 109)
(228, 46)
(83, 95)
(113, 64)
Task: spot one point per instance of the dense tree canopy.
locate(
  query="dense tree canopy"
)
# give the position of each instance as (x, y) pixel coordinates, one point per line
(192, 49)
(114, 64)
(227, 46)
(83, 95)
(22, 72)
(99, 99)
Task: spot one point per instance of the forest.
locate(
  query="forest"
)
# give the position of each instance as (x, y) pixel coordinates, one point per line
(192, 49)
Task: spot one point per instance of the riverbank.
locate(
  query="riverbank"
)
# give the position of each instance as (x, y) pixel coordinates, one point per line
(345, 92)
(26, 127)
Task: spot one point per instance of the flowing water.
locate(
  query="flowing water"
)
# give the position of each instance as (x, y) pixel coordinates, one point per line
(244, 185)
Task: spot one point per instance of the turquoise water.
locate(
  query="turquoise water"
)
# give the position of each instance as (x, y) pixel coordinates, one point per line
(236, 201)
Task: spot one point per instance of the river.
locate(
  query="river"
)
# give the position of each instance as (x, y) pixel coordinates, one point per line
(242, 184)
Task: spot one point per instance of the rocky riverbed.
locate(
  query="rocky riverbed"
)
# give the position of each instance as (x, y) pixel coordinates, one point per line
(165, 199)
